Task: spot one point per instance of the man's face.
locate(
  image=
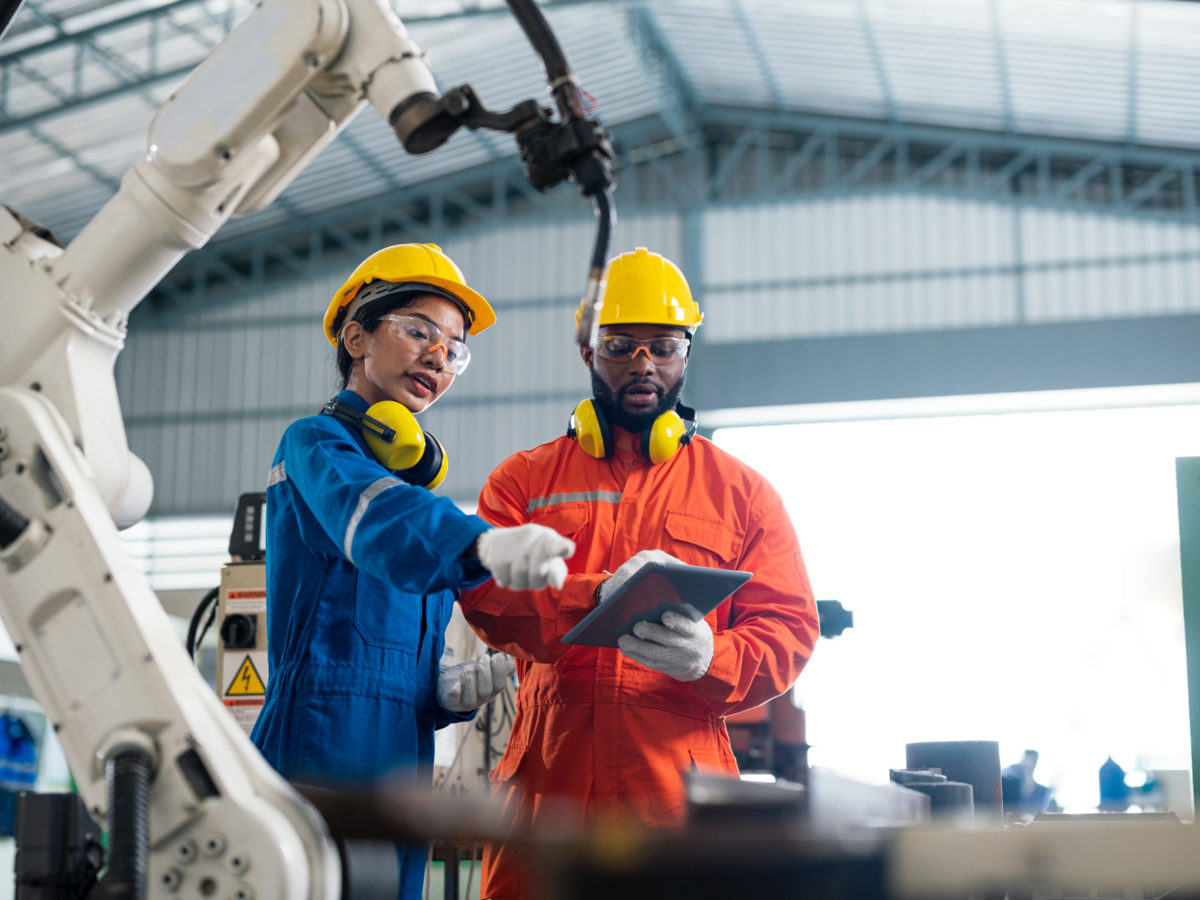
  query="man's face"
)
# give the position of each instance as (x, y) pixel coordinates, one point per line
(634, 393)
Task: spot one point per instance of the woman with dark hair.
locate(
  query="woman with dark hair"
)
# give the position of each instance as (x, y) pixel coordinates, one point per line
(364, 563)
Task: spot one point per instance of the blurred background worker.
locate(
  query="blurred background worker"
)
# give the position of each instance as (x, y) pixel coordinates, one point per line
(611, 730)
(365, 562)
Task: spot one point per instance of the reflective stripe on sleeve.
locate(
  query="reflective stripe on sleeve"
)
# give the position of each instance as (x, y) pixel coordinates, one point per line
(364, 500)
(276, 475)
(580, 497)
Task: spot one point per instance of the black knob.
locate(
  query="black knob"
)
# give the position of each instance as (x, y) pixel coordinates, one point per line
(239, 632)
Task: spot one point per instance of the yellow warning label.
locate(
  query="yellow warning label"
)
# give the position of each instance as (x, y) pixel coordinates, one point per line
(246, 683)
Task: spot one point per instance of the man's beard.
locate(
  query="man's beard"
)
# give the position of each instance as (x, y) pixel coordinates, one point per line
(610, 402)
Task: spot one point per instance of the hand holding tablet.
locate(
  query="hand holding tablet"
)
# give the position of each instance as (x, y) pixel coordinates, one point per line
(655, 588)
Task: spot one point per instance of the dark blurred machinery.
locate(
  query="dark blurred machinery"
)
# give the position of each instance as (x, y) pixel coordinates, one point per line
(771, 739)
(59, 849)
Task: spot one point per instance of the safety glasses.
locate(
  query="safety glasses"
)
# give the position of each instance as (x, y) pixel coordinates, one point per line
(620, 348)
(425, 337)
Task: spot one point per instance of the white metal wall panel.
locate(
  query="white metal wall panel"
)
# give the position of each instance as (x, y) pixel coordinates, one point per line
(1087, 266)
(857, 265)
(1059, 235)
(893, 262)
(852, 236)
(1113, 291)
(859, 308)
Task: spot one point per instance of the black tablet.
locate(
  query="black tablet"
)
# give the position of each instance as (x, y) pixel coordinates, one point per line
(650, 592)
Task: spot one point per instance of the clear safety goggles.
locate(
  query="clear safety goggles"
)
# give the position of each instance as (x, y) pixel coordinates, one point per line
(425, 337)
(620, 348)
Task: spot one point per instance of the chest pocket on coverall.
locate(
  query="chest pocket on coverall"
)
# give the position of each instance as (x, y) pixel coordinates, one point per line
(569, 520)
(381, 624)
(702, 542)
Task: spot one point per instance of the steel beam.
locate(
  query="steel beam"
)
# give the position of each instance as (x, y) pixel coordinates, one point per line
(995, 163)
(88, 43)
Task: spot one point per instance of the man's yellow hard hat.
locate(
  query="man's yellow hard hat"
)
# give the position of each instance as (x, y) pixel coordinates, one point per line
(643, 288)
(425, 263)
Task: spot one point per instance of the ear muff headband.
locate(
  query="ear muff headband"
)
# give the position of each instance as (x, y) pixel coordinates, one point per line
(396, 441)
(661, 439)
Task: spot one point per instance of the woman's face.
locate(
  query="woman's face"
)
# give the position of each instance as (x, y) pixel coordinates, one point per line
(388, 367)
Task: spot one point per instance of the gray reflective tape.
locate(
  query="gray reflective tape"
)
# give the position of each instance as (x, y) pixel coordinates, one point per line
(364, 500)
(581, 497)
(276, 475)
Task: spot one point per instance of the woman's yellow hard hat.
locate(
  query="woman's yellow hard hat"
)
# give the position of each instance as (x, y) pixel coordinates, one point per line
(425, 263)
(643, 288)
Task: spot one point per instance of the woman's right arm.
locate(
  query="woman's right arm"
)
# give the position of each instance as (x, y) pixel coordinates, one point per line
(397, 532)
(526, 624)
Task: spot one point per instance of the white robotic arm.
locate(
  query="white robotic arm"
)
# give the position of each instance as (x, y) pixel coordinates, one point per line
(134, 717)
(95, 644)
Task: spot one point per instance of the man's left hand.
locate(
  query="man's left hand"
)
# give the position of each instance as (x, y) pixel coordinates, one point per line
(679, 647)
(470, 685)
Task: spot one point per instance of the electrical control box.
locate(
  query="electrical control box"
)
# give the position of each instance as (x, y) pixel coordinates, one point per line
(242, 641)
(242, 670)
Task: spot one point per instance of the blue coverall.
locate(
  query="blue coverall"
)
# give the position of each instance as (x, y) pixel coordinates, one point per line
(363, 571)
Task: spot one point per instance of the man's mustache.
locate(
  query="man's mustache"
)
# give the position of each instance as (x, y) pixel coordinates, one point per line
(658, 388)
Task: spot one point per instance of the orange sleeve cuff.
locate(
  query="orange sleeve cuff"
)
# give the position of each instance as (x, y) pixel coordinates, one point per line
(577, 600)
(719, 682)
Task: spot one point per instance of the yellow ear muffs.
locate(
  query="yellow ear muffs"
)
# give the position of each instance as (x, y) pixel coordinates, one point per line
(663, 438)
(589, 429)
(396, 441)
(403, 448)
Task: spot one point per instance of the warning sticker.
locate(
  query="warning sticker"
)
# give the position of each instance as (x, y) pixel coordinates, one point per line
(246, 682)
(250, 600)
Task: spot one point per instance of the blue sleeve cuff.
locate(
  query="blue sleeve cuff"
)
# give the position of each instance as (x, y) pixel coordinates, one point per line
(444, 717)
(463, 572)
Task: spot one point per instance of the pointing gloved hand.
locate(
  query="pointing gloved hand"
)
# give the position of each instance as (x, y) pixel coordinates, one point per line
(627, 569)
(526, 557)
(679, 647)
(470, 685)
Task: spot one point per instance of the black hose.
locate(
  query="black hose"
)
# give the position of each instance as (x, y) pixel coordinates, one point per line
(558, 71)
(127, 777)
(12, 523)
(605, 219)
(194, 625)
(8, 12)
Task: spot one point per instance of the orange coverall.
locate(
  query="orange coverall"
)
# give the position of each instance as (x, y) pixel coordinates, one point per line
(592, 725)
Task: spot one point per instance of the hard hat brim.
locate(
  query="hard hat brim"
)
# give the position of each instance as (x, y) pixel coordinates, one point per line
(485, 316)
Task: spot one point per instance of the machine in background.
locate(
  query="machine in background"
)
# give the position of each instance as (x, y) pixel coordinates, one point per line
(771, 739)
(242, 637)
(238, 608)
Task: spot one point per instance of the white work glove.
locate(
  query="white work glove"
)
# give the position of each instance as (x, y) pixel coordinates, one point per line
(679, 647)
(470, 685)
(524, 558)
(627, 568)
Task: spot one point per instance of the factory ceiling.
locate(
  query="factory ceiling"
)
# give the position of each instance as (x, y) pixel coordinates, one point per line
(79, 82)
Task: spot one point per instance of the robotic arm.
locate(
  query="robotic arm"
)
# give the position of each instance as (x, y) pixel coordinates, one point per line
(191, 805)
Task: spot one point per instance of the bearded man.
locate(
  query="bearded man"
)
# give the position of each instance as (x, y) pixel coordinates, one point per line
(613, 731)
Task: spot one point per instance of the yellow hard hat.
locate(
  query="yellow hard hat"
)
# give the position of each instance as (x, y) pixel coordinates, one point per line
(643, 288)
(425, 263)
